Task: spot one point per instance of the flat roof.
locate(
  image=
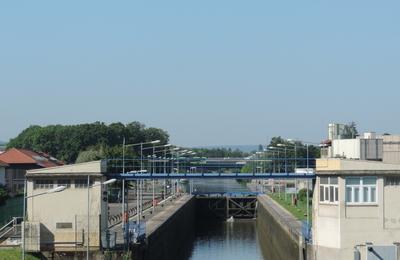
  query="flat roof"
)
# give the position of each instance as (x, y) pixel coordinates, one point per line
(338, 166)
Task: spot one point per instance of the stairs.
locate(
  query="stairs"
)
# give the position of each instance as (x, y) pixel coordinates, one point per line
(10, 233)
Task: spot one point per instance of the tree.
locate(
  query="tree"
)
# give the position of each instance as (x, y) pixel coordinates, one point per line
(219, 152)
(90, 155)
(94, 140)
(350, 131)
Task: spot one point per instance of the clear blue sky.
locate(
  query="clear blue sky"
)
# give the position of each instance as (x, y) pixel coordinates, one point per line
(209, 72)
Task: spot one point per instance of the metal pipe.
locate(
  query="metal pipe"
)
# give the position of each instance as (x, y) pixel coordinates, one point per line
(88, 214)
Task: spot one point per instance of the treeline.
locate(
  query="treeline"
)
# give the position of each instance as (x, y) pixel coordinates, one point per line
(85, 142)
(219, 152)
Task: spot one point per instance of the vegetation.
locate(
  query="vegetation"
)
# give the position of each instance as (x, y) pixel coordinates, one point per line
(299, 211)
(15, 254)
(219, 152)
(86, 141)
(3, 195)
(350, 131)
(11, 208)
(302, 195)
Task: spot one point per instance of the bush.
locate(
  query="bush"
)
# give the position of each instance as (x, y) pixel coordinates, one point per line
(3, 195)
(302, 195)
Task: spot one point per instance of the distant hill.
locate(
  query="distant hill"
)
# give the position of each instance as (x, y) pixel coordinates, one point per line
(243, 148)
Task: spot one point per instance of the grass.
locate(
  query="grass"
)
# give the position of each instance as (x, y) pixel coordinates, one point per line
(299, 211)
(15, 254)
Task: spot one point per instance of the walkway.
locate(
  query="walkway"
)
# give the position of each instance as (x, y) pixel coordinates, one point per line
(153, 221)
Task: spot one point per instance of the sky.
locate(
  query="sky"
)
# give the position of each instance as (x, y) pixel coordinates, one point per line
(208, 72)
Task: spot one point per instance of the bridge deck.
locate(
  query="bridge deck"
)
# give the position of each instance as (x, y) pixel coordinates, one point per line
(217, 175)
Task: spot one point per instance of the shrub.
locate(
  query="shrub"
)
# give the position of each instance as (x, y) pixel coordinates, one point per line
(3, 195)
(302, 195)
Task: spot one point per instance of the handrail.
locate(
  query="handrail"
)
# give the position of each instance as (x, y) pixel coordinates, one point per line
(13, 222)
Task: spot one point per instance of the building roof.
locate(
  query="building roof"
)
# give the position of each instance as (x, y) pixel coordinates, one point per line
(347, 166)
(24, 156)
(82, 169)
(3, 163)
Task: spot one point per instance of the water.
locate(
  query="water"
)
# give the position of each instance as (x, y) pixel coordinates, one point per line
(230, 241)
(223, 240)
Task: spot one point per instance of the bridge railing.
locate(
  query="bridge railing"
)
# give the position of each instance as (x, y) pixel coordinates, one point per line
(206, 165)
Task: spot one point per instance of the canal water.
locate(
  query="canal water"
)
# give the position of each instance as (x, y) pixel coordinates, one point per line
(215, 239)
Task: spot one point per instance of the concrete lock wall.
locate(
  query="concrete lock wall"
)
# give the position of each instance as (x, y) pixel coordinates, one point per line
(275, 240)
(172, 239)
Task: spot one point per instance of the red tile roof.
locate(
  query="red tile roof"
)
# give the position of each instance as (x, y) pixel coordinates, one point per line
(23, 156)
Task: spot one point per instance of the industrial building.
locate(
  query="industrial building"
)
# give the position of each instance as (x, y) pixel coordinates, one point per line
(66, 221)
(355, 209)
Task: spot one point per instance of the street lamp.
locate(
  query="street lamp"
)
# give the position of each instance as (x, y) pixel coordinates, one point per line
(137, 182)
(88, 208)
(54, 190)
(153, 164)
(307, 171)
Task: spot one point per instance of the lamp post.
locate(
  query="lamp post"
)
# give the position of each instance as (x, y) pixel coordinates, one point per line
(124, 145)
(153, 167)
(88, 208)
(308, 184)
(57, 189)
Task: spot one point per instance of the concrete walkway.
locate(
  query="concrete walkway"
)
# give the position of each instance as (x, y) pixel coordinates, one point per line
(159, 218)
(153, 220)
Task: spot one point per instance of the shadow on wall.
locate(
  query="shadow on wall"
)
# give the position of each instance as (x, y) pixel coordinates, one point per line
(275, 242)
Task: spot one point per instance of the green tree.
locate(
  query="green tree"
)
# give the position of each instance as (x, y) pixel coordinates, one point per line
(350, 131)
(94, 140)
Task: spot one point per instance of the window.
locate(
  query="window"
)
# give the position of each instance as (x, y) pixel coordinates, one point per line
(328, 190)
(361, 190)
(62, 225)
(43, 184)
(82, 183)
(64, 182)
(392, 181)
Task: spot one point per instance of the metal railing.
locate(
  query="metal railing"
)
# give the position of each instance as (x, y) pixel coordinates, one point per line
(11, 228)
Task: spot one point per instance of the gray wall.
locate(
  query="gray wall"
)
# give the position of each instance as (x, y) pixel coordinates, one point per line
(275, 241)
(173, 238)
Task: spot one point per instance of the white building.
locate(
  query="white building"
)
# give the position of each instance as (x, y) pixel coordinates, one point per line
(391, 148)
(59, 221)
(356, 207)
(366, 147)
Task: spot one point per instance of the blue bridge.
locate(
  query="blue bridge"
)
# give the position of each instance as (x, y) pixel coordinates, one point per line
(218, 175)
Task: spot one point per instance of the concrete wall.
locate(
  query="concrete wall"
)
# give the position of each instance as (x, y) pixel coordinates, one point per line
(275, 240)
(391, 149)
(360, 148)
(68, 207)
(172, 240)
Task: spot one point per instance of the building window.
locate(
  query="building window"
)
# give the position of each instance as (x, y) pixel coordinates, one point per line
(64, 182)
(328, 190)
(43, 184)
(63, 225)
(82, 183)
(360, 190)
(392, 181)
